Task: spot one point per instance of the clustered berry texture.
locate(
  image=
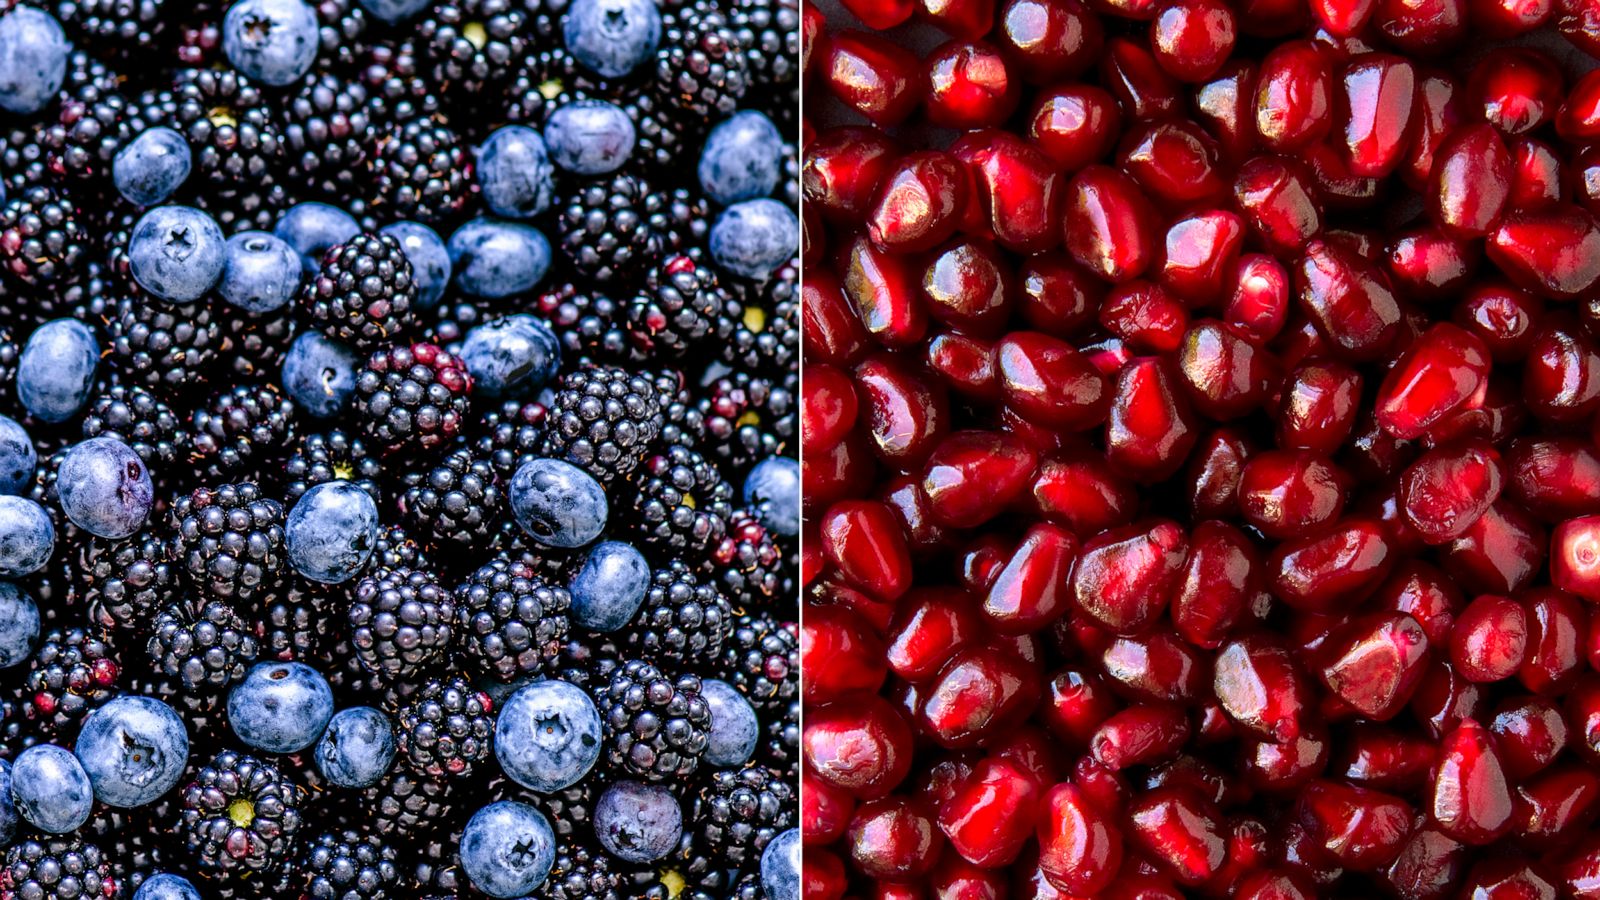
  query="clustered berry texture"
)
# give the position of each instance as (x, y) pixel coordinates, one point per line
(1202, 462)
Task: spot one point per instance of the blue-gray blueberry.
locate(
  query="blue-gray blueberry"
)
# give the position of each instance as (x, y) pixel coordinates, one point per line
(105, 488)
(19, 625)
(319, 374)
(51, 790)
(515, 177)
(548, 735)
(176, 253)
(495, 259)
(752, 239)
(313, 228)
(513, 356)
(609, 587)
(27, 537)
(558, 503)
(742, 159)
(612, 37)
(280, 707)
(133, 749)
(638, 823)
(18, 458)
(331, 531)
(271, 41)
(357, 749)
(735, 729)
(429, 258)
(507, 849)
(33, 59)
(260, 272)
(590, 137)
(152, 166)
(55, 373)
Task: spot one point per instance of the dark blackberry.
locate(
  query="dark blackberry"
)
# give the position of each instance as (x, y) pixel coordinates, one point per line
(253, 346)
(437, 872)
(71, 672)
(235, 139)
(401, 622)
(510, 435)
(299, 626)
(761, 658)
(328, 130)
(590, 326)
(56, 867)
(747, 418)
(230, 541)
(681, 421)
(412, 398)
(769, 32)
(394, 549)
(121, 30)
(396, 90)
(330, 456)
(656, 725)
(202, 645)
(582, 872)
(123, 582)
(23, 159)
(92, 123)
(134, 842)
(604, 420)
(447, 728)
(43, 240)
(422, 171)
(240, 815)
(10, 355)
(780, 747)
(139, 419)
(681, 503)
(661, 138)
(350, 866)
(164, 349)
(403, 804)
(544, 81)
(513, 621)
(678, 309)
(681, 622)
(791, 174)
(455, 505)
(701, 69)
(341, 24)
(764, 325)
(739, 811)
(363, 293)
(570, 809)
(472, 48)
(604, 228)
(680, 219)
(243, 432)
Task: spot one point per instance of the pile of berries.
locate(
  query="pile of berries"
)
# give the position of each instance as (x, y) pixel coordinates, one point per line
(1202, 449)
(399, 481)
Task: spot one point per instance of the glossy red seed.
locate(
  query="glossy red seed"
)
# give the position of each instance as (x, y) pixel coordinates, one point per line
(1446, 490)
(1422, 27)
(1141, 734)
(881, 14)
(932, 623)
(843, 168)
(1031, 590)
(864, 541)
(1219, 581)
(1277, 199)
(991, 814)
(1554, 252)
(1110, 224)
(1471, 181)
(1344, 562)
(983, 691)
(1193, 38)
(883, 290)
(1490, 639)
(971, 476)
(1468, 797)
(1557, 624)
(1376, 93)
(1259, 301)
(1286, 494)
(1518, 89)
(1124, 577)
(969, 85)
(1080, 847)
(1348, 298)
(1529, 733)
(1049, 40)
(1174, 162)
(1145, 317)
(1362, 829)
(1048, 381)
(1575, 557)
(919, 202)
(1261, 687)
(1143, 89)
(1078, 490)
(1374, 663)
(904, 412)
(1502, 551)
(838, 634)
(894, 839)
(1181, 830)
(1200, 256)
(861, 746)
(1429, 866)
(1294, 96)
(1019, 192)
(1150, 429)
(1075, 125)
(872, 75)
(1558, 802)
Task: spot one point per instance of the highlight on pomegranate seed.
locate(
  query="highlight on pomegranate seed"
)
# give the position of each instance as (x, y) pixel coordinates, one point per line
(1201, 472)
(400, 494)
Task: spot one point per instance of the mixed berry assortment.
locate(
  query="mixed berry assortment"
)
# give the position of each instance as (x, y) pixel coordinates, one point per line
(1202, 462)
(399, 483)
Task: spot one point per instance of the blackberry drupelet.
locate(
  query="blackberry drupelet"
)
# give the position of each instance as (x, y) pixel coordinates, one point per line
(330, 456)
(678, 308)
(44, 242)
(761, 658)
(471, 50)
(739, 811)
(570, 809)
(604, 420)
(123, 582)
(341, 26)
(254, 345)
(243, 432)
(589, 325)
(300, 626)
(141, 420)
(604, 228)
(52, 867)
(328, 131)
(394, 549)
(202, 645)
(22, 155)
(455, 505)
(412, 398)
(240, 815)
(164, 349)
(656, 725)
(582, 872)
(769, 32)
(350, 866)
(510, 435)
(764, 325)
(513, 620)
(748, 564)
(422, 171)
(401, 622)
(396, 90)
(363, 293)
(682, 622)
(71, 672)
(121, 30)
(747, 418)
(10, 355)
(230, 541)
(681, 503)
(447, 728)
(701, 69)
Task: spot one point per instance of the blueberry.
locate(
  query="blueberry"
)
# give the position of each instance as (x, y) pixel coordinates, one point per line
(271, 41)
(280, 707)
(261, 272)
(394, 11)
(638, 823)
(734, 726)
(742, 159)
(558, 503)
(507, 849)
(18, 458)
(51, 789)
(772, 489)
(56, 371)
(607, 591)
(589, 137)
(176, 253)
(612, 37)
(134, 749)
(429, 257)
(319, 374)
(33, 59)
(495, 259)
(780, 866)
(8, 805)
(105, 488)
(512, 356)
(514, 172)
(166, 886)
(152, 166)
(27, 537)
(312, 228)
(357, 749)
(753, 238)
(19, 625)
(331, 531)
(548, 736)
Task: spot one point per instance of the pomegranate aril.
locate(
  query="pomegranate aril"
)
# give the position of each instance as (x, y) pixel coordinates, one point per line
(1080, 846)
(1049, 40)
(872, 76)
(969, 85)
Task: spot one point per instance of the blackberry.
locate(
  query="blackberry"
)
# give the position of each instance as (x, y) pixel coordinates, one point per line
(330, 456)
(164, 349)
(513, 621)
(749, 564)
(739, 811)
(240, 815)
(680, 219)
(123, 582)
(254, 345)
(121, 30)
(604, 228)
(761, 658)
(764, 325)
(656, 725)
(747, 418)
(230, 541)
(10, 355)
(510, 435)
(570, 809)
(43, 240)
(134, 842)
(328, 129)
(400, 622)
(422, 171)
(447, 728)
(71, 672)
(295, 626)
(472, 47)
(92, 123)
(678, 308)
(412, 398)
(661, 138)
(402, 804)
(394, 549)
(243, 432)
(769, 32)
(55, 867)
(589, 325)
(396, 89)
(701, 69)
(202, 645)
(582, 872)
(362, 294)
(780, 750)
(604, 420)
(341, 25)
(350, 866)
(543, 82)
(456, 504)
(232, 133)
(681, 420)
(139, 419)
(681, 621)
(23, 158)
(681, 504)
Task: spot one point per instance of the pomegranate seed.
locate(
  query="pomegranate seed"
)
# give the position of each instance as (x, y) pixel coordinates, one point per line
(1446, 490)
(894, 839)
(1049, 40)
(991, 814)
(969, 85)
(872, 75)
(1471, 181)
(1362, 829)
(1080, 847)
(1124, 577)
(1294, 96)
(1182, 830)
(1261, 688)
(1469, 799)
(1490, 639)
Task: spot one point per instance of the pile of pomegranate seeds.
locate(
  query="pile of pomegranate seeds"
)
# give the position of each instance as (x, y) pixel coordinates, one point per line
(1202, 462)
